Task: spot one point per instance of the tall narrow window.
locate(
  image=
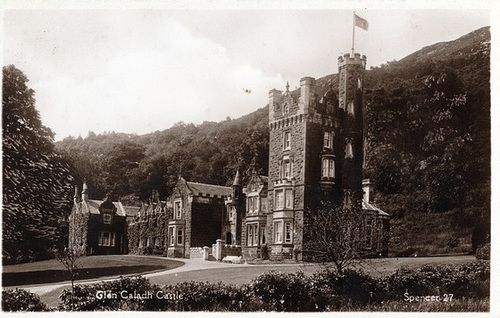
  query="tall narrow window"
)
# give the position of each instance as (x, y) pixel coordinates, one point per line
(256, 234)
(279, 199)
(250, 235)
(350, 107)
(180, 236)
(288, 232)
(177, 209)
(278, 231)
(286, 140)
(328, 140)
(171, 232)
(262, 235)
(289, 198)
(250, 205)
(348, 149)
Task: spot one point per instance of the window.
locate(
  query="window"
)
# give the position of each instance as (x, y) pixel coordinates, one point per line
(328, 140)
(278, 231)
(286, 108)
(348, 149)
(179, 236)
(171, 232)
(106, 218)
(106, 238)
(177, 209)
(289, 198)
(286, 140)
(350, 107)
(250, 235)
(286, 168)
(288, 232)
(328, 168)
(279, 199)
(255, 234)
(262, 235)
(250, 204)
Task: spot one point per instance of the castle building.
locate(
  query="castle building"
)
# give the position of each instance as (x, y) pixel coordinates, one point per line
(98, 226)
(315, 158)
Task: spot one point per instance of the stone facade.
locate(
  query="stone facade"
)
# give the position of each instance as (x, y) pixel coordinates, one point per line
(97, 227)
(315, 156)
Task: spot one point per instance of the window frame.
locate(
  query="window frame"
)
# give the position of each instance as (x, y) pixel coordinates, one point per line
(278, 231)
(107, 218)
(110, 240)
(287, 143)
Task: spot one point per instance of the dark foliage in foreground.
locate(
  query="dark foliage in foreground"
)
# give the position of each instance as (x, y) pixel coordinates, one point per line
(273, 291)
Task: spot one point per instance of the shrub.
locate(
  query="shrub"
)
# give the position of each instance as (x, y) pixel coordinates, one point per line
(109, 295)
(470, 280)
(483, 252)
(21, 300)
(275, 291)
(333, 291)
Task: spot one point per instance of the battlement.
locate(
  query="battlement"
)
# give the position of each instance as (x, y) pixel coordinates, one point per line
(348, 60)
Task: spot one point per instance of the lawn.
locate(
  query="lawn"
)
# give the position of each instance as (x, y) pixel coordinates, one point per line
(90, 267)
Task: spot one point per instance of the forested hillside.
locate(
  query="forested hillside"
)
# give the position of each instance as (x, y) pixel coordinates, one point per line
(427, 131)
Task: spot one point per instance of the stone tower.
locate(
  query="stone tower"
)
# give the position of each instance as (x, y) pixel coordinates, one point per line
(315, 152)
(351, 70)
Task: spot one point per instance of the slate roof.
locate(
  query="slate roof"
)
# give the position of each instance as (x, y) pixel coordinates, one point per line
(371, 207)
(208, 190)
(92, 207)
(132, 210)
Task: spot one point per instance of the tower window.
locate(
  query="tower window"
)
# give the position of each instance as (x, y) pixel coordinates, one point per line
(328, 168)
(328, 140)
(106, 218)
(348, 149)
(286, 140)
(289, 198)
(286, 168)
(350, 107)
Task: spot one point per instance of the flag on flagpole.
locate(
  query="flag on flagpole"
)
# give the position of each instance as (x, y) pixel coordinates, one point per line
(360, 22)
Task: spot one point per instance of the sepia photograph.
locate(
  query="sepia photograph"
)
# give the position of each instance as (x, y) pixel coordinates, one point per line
(249, 157)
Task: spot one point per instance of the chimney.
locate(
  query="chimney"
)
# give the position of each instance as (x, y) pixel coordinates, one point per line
(368, 189)
(85, 194)
(76, 197)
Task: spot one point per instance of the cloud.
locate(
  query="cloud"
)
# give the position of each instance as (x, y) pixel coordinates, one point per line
(151, 86)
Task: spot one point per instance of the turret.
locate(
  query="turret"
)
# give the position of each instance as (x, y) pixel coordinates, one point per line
(237, 187)
(307, 85)
(274, 99)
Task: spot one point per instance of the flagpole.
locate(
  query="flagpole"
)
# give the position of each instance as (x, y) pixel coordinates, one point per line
(353, 30)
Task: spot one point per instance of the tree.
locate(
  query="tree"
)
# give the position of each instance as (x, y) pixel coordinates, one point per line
(334, 235)
(36, 182)
(68, 257)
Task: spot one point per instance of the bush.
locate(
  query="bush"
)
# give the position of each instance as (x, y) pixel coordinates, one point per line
(21, 300)
(483, 252)
(109, 295)
(470, 280)
(275, 291)
(333, 291)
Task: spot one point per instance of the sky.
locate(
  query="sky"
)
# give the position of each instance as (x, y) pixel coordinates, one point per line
(139, 69)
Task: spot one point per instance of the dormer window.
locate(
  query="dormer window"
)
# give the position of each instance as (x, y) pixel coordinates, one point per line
(106, 218)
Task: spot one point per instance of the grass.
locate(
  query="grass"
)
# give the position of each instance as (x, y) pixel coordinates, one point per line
(90, 267)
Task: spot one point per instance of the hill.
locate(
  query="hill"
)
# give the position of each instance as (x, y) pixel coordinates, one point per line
(427, 131)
